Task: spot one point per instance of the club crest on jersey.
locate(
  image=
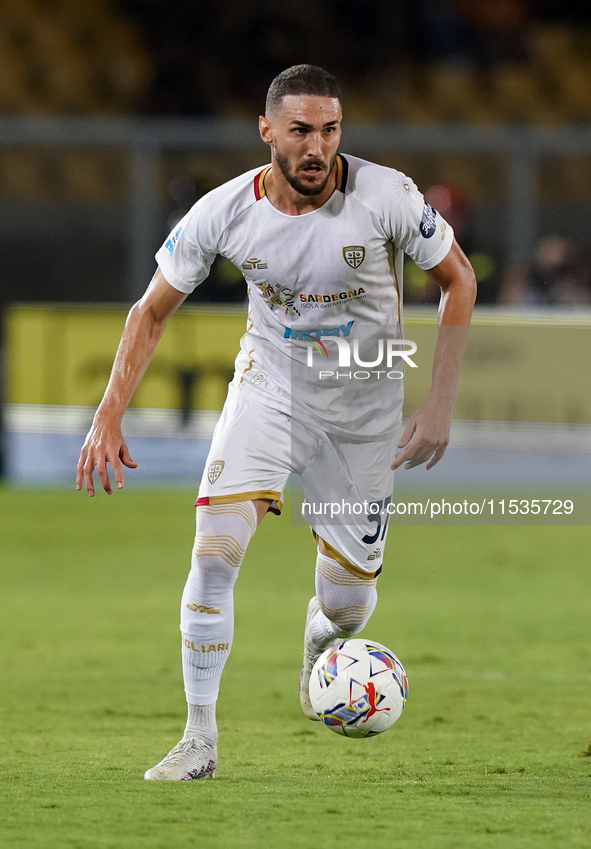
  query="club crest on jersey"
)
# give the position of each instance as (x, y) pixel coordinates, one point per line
(215, 470)
(354, 255)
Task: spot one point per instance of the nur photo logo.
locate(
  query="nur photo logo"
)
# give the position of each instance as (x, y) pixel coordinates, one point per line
(371, 352)
(378, 355)
(387, 350)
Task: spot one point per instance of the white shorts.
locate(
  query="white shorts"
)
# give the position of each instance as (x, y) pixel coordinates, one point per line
(254, 450)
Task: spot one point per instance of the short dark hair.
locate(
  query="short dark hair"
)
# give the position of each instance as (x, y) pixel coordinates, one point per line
(301, 79)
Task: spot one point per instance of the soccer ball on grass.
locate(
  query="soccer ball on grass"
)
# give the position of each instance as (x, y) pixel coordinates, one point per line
(358, 688)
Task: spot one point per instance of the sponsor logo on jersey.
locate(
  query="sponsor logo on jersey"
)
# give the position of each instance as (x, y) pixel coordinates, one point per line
(428, 223)
(354, 255)
(215, 470)
(279, 297)
(258, 378)
(308, 301)
(171, 243)
(315, 334)
(253, 262)
(377, 553)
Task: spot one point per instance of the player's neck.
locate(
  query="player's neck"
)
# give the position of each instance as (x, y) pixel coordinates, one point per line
(287, 200)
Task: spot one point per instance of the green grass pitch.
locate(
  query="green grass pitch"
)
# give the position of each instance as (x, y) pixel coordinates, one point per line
(491, 623)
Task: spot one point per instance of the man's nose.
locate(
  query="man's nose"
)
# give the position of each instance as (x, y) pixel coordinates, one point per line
(314, 144)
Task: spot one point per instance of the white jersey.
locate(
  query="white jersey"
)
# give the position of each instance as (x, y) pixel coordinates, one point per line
(332, 272)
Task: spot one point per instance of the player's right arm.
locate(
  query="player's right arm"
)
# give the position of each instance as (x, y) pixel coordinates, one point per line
(144, 327)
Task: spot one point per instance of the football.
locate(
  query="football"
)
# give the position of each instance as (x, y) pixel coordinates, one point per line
(358, 688)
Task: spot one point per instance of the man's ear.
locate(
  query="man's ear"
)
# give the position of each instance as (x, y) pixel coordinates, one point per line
(265, 130)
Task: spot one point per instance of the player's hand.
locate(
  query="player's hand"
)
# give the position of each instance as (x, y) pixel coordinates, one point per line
(426, 436)
(104, 444)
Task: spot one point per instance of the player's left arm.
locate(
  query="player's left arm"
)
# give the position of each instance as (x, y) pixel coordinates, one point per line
(427, 434)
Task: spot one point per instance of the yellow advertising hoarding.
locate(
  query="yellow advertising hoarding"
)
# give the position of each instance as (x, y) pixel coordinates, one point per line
(64, 356)
(528, 373)
(515, 369)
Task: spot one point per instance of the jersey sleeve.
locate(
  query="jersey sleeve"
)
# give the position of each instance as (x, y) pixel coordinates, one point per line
(186, 256)
(415, 227)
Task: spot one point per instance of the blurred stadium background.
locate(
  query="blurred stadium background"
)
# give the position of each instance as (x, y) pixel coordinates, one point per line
(117, 115)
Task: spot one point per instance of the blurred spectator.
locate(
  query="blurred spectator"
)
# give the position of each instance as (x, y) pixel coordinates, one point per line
(439, 27)
(497, 30)
(473, 32)
(557, 277)
(453, 204)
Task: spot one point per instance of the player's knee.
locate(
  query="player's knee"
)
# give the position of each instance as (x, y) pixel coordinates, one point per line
(223, 534)
(216, 558)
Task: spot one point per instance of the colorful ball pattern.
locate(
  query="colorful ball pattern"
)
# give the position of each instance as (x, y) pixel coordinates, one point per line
(358, 688)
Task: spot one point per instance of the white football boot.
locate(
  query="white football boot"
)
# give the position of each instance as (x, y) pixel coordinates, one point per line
(311, 655)
(190, 759)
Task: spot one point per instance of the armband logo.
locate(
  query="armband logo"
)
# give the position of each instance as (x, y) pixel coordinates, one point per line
(428, 222)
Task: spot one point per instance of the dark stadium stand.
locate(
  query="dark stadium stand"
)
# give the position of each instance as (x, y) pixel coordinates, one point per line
(480, 62)
(70, 57)
(483, 63)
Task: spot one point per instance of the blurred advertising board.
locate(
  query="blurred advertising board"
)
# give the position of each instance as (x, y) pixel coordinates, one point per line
(517, 367)
(63, 356)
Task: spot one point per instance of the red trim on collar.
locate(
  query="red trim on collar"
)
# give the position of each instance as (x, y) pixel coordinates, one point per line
(259, 183)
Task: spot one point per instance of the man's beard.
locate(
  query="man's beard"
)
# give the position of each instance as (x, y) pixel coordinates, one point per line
(298, 185)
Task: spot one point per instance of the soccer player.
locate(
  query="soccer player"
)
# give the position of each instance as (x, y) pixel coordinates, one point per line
(320, 237)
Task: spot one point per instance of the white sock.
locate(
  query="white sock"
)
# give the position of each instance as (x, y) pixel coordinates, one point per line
(201, 723)
(207, 607)
(346, 603)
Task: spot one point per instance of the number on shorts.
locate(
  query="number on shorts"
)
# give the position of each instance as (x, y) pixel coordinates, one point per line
(376, 517)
